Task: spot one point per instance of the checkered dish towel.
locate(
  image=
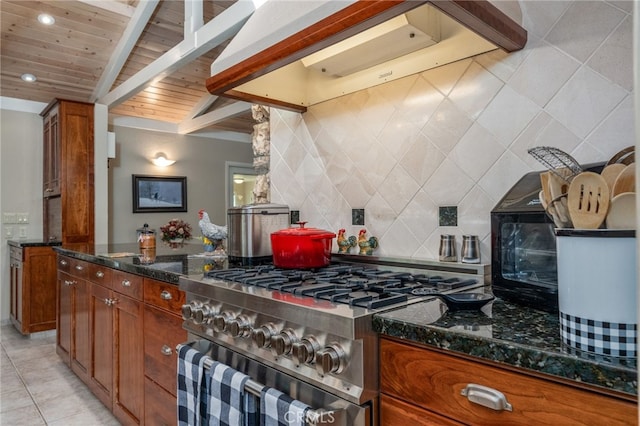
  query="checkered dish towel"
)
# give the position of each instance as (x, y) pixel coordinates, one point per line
(279, 409)
(191, 387)
(227, 397)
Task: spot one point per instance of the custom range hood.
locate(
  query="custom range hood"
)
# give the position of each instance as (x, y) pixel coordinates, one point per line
(294, 54)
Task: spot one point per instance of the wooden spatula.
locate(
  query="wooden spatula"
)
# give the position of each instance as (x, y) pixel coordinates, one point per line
(588, 200)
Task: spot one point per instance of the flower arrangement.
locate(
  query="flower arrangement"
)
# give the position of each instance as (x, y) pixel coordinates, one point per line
(175, 229)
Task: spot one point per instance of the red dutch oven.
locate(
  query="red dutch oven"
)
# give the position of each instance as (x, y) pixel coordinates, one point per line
(301, 248)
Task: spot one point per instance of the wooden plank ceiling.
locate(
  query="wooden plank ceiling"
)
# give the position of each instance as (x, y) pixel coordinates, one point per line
(69, 57)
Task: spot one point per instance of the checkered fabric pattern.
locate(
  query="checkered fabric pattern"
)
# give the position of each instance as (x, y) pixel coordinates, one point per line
(599, 337)
(226, 394)
(191, 387)
(279, 409)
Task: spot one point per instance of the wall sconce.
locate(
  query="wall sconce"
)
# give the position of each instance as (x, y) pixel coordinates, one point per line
(238, 180)
(161, 160)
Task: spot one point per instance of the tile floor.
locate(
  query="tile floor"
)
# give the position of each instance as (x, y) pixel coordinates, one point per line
(37, 388)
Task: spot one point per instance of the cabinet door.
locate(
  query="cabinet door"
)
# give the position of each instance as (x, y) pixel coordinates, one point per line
(101, 349)
(16, 287)
(160, 407)
(80, 356)
(394, 412)
(39, 290)
(128, 374)
(51, 171)
(64, 315)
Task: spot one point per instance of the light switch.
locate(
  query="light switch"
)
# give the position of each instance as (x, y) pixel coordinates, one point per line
(23, 217)
(8, 232)
(8, 218)
(22, 232)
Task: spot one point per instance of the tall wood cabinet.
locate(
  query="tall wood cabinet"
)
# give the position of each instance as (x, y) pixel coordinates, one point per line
(33, 287)
(68, 173)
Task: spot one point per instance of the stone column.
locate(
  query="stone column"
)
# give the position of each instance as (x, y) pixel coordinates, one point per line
(261, 141)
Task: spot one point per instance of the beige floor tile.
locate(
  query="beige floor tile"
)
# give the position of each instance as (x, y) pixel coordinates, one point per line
(64, 405)
(94, 417)
(26, 416)
(13, 399)
(10, 381)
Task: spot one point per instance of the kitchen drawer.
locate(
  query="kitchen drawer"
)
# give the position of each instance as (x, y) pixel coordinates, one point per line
(162, 333)
(434, 381)
(78, 268)
(160, 407)
(163, 295)
(394, 412)
(127, 284)
(64, 264)
(100, 274)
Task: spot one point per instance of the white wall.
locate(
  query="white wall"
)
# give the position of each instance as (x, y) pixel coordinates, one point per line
(20, 183)
(201, 160)
(459, 134)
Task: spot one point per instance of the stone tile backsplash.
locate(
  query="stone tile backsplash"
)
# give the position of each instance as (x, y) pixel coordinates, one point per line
(458, 135)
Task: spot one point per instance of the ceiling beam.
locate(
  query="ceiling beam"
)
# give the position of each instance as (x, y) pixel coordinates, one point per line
(202, 105)
(127, 42)
(112, 6)
(213, 117)
(215, 32)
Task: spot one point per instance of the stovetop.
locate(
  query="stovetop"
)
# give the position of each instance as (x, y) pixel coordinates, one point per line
(362, 286)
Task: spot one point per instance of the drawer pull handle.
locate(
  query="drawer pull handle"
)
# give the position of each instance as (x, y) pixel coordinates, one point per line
(108, 302)
(126, 283)
(487, 397)
(67, 282)
(64, 262)
(165, 295)
(100, 274)
(79, 267)
(166, 350)
(48, 190)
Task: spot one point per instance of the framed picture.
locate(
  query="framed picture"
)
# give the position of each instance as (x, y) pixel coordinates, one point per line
(159, 194)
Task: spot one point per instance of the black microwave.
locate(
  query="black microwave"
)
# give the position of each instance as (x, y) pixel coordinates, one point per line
(523, 246)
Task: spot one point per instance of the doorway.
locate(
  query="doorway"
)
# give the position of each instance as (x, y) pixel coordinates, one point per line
(241, 179)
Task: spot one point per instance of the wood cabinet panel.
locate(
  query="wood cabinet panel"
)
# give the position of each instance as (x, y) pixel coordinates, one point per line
(64, 315)
(80, 347)
(127, 284)
(39, 289)
(101, 328)
(128, 400)
(162, 333)
(100, 275)
(394, 412)
(434, 381)
(160, 407)
(163, 295)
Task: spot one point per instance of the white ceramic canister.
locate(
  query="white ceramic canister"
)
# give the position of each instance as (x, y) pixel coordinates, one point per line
(597, 294)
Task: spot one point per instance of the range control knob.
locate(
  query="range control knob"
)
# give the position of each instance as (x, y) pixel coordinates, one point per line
(202, 314)
(331, 359)
(263, 334)
(221, 320)
(304, 351)
(281, 343)
(239, 326)
(188, 309)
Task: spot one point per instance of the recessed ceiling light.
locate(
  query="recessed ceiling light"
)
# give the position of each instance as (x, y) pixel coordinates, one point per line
(29, 78)
(45, 19)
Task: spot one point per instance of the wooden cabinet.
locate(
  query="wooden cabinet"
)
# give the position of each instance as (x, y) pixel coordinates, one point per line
(33, 288)
(163, 332)
(417, 381)
(131, 331)
(73, 315)
(68, 173)
(101, 331)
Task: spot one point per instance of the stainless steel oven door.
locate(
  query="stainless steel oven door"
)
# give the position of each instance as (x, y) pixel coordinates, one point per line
(327, 408)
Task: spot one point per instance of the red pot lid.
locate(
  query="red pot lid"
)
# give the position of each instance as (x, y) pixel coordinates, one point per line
(304, 232)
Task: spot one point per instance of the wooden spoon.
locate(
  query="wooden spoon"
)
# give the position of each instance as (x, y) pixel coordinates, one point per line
(588, 200)
(622, 211)
(611, 172)
(626, 180)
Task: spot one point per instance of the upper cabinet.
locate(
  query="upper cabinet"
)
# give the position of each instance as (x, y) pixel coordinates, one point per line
(68, 173)
(293, 55)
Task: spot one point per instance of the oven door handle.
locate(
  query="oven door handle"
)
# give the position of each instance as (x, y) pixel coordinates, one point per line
(314, 417)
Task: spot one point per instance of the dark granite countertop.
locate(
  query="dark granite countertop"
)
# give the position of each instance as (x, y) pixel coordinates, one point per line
(32, 243)
(170, 264)
(509, 334)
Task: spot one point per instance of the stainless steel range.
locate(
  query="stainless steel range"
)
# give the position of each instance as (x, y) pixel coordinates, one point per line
(309, 332)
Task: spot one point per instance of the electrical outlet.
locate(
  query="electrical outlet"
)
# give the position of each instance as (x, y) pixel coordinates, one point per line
(23, 217)
(8, 232)
(22, 232)
(9, 218)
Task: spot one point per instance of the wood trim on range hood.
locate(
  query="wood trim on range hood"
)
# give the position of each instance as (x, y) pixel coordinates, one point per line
(480, 16)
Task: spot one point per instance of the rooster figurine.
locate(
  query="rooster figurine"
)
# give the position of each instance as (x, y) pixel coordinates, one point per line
(367, 245)
(211, 230)
(344, 243)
